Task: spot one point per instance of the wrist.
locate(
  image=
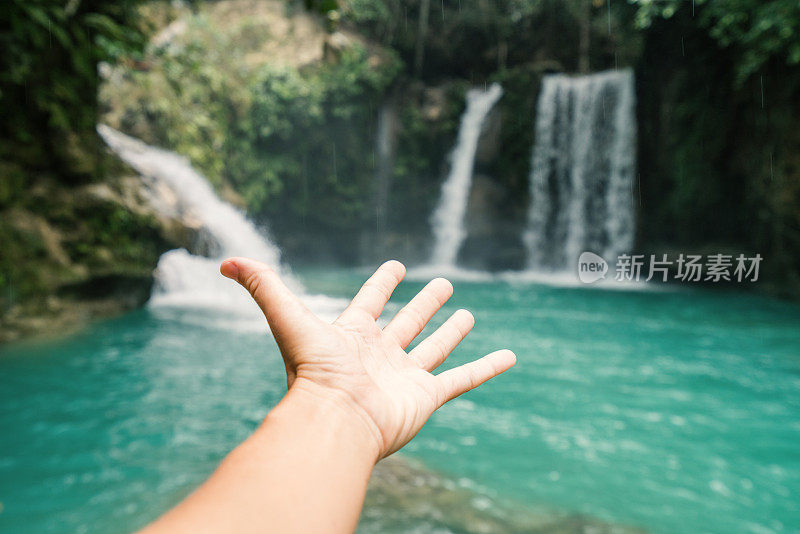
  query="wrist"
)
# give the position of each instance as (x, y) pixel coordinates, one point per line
(330, 412)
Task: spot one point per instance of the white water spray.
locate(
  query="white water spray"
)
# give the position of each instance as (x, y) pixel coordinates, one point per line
(447, 220)
(582, 170)
(185, 280)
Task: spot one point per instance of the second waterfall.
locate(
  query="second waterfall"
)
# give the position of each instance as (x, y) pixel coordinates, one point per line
(448, 218)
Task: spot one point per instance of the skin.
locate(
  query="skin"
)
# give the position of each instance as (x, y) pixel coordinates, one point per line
(355, 396)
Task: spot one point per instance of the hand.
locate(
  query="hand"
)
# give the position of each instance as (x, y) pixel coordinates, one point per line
(361, 368)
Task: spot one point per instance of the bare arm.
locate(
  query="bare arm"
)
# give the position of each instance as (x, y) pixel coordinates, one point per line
(355, 396)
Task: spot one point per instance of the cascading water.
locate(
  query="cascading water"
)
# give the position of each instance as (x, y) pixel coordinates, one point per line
(184, 279)
(447, 220)
(582, 170)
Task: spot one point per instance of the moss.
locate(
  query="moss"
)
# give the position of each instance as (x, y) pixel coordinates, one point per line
(69, 254)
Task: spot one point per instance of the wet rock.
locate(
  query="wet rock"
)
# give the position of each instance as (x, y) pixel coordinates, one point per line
(74, 253)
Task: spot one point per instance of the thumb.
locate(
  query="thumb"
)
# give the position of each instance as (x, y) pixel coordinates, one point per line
(286, 315)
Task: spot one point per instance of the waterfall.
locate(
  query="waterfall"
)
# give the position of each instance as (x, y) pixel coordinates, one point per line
(182, 279)
(582, 170)
(448, 218)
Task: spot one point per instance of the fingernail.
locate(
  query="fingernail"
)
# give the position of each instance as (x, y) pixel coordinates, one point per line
(229, 269)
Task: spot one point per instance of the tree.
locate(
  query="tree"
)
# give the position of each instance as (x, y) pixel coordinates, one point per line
(756, 30)
(49, 80)
(422, 32)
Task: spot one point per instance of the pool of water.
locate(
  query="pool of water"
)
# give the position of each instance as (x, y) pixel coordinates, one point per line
(670, 411)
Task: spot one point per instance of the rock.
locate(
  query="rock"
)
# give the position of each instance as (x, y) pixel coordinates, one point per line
(404, 496)
(489, 141)
(23, 221)
(74, 253)
(493, 232)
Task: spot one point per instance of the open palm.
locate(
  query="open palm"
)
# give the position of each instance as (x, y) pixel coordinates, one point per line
(362, 367)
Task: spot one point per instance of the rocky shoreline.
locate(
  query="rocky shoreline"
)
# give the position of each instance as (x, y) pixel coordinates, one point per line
(76, 254)
(405, 496)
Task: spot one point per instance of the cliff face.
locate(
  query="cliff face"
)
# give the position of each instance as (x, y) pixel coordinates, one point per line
(73, 253)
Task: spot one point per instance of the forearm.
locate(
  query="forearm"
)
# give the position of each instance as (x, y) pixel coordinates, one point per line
(305, 469)
(307, 466)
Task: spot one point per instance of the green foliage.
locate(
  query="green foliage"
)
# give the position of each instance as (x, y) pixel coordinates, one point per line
(322, 6)
(756, 30)
(48, 77)
(189, 98)
(296, 142)
(291, 141)
(55, 236)
(717, 152)
(18, 244)
(518, 108)
(48, 145)
(311, 131)
(472, 40)
(424, 141)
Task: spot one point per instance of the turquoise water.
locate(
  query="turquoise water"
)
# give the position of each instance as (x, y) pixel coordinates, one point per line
(670, 411)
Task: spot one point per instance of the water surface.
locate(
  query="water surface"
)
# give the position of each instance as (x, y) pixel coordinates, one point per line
(670, 411)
